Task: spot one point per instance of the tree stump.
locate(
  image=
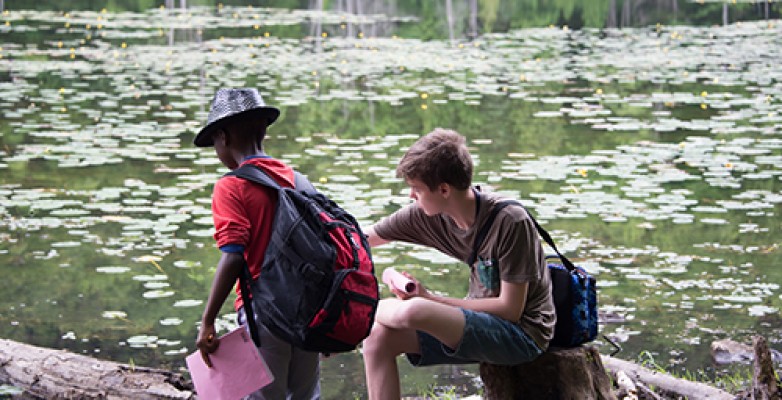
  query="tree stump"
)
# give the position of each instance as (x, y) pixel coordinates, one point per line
(765, 385)
(59, 374)
(559, 374)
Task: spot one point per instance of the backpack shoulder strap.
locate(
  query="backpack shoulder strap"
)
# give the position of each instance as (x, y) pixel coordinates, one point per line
(255, 174)
(258, 175)
(542, 232)
(485, 230)
(302, 183)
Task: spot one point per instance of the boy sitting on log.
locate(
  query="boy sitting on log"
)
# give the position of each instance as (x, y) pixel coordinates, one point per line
(508, 316)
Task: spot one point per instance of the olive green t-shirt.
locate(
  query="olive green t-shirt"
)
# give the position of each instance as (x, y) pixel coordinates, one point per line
(510, 252)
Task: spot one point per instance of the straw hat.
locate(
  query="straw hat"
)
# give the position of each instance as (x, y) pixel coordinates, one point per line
(229, 105)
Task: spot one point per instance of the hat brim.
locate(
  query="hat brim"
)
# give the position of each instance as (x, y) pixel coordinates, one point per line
(204, 138)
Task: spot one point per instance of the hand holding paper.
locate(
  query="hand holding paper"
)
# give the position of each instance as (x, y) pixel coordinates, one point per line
(237, 368)
(207, 342)
(398, 281)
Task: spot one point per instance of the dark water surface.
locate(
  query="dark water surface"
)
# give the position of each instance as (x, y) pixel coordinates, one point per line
(651, 152)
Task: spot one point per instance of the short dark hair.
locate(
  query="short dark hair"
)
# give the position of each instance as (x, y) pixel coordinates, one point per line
(440, 156)
(247, 127)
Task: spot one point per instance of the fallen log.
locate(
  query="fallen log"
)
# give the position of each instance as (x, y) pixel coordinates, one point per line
(627, 388)
(646, 393)
(60, 374)
(665, 384)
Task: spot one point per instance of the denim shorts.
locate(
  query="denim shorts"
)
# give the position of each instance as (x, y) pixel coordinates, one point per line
(487, 338)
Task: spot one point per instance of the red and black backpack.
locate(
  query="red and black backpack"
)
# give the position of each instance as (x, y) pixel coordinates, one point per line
(317, 289)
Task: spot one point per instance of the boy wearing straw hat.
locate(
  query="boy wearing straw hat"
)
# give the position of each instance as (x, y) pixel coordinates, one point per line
(242, 213)
(508, 316)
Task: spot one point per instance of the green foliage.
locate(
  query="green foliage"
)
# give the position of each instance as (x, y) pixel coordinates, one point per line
(441, 393)
(646, 359)
(736, 381)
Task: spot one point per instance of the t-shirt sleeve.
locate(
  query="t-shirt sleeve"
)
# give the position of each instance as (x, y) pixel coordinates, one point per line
(519, 250)
(403, 225)
(232, 226)
(396, 226)
(411, 225)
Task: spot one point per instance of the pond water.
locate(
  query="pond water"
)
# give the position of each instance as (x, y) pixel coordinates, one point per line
(652, 154)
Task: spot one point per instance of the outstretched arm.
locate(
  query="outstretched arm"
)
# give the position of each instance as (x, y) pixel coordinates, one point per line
(509, 305)
(373, 239)
(228, 269)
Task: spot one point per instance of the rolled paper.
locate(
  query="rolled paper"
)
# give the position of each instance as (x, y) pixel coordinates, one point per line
(397, 281)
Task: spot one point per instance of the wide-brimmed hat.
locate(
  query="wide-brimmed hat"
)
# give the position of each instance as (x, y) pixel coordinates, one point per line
(231, 104)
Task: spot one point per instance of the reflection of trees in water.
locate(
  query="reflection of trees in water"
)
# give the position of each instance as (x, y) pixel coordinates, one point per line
(366, 7)
(447, 16)
(170, 4)
(639, 12)
(457, 19)
(467, 19)
(188, 35)
(180, 34)
(623, 13)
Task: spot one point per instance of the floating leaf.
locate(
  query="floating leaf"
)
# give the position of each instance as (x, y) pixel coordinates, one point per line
(112, 269)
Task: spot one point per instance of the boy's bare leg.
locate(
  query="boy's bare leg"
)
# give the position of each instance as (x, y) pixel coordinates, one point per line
(380, 351)
(394, 333)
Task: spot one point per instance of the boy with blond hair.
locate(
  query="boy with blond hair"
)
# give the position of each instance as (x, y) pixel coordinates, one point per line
(508, 315)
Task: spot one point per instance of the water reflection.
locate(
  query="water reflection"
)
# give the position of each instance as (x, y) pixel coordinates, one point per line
(652, 154)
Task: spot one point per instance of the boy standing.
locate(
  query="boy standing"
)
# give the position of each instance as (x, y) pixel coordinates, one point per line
(243, 212)
(508, 316)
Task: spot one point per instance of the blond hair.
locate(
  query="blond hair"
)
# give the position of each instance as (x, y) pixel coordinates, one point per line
(440, 156)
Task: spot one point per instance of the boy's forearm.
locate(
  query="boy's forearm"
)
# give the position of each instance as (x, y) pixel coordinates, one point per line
(509, 305)
(373, 239)
(228, 269)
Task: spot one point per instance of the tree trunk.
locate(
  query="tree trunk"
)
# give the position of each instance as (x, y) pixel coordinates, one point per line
(725, 14)
(449, 19)
(59, 374)
(358, 10)
(766, 3)
(765, 385)
(474, 19)
(675, 7)
(575, 373)
(627, 7)
(349, 10)
(611, 20)
(579, 373)
(316, 28)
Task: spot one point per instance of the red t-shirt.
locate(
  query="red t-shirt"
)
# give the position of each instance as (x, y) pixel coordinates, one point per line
(243, 212)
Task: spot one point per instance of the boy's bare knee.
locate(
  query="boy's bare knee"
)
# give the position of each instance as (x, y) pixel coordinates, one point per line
(411, 313)
(377, 339)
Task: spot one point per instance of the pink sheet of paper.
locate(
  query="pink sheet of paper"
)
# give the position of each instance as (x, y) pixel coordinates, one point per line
(237, 368)
(396, 280)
